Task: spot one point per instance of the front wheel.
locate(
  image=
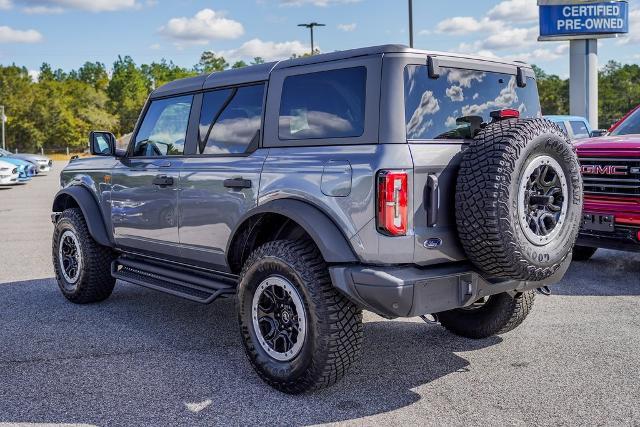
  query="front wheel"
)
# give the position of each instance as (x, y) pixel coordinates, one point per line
(298, 331)
(492, 315)
(82, 266)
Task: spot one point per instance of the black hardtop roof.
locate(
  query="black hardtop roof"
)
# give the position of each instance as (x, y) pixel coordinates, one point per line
(261, 72)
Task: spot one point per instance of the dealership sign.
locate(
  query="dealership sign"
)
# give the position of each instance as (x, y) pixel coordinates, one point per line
(567, 19)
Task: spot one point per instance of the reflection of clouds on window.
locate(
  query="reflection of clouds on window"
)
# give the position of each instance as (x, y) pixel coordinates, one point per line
(411, 71)
(464, 78)
(455, 93)
(508, 97)
(231, 135)
(318, 124)
(428, 105)
(450, 122)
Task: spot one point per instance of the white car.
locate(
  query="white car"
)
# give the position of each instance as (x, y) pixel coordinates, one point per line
(8, 173)
(43, 164)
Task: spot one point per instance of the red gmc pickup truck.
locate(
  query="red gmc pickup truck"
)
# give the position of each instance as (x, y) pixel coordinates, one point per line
(611, 172)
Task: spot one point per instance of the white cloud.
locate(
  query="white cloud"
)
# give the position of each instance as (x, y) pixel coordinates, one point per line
(546, 54)
(634, 28)
(515, 11)
(347, 27)
(5, 4)
(42, 10)
(34, 74)
(464, 25)
(204, 26)
(321, 3)
(507, 38)
(268, 50)
(46, 6)
(10, 35)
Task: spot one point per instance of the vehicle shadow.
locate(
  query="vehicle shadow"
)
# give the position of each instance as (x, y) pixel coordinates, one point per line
(146, 357)
(607, 273)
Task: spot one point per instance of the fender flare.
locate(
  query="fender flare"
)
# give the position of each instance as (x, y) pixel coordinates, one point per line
(90, 210)
(331, 242)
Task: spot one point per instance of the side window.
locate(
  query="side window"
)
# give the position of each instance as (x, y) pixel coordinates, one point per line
(230, 119)
(459, 100)
(326, 104)
(579, 129)
(164, 128)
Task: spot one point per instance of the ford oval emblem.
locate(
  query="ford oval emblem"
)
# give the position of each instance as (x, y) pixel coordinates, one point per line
(432, 243)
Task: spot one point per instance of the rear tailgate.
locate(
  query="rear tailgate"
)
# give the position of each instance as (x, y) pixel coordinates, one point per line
(435, 171)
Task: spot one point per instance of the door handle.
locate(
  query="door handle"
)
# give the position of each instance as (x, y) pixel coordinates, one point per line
(163, 180)
(433, 200)
(237, 183)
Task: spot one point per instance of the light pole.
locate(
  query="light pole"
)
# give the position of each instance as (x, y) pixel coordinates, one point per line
(310, 26)
(3, 119)
(411, 23)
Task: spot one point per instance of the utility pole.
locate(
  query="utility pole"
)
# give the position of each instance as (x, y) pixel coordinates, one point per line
(3, 119)
(411, 23)
(310, 26)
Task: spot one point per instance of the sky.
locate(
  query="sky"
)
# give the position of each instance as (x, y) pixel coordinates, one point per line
(67, 33)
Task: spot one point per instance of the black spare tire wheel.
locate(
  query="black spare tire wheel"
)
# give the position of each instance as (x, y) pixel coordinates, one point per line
(519, 199)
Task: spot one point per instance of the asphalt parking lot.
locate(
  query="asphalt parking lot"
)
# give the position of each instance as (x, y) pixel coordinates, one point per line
(144, 357)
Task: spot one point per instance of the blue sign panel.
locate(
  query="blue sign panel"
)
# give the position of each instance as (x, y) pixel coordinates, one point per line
(584, 19)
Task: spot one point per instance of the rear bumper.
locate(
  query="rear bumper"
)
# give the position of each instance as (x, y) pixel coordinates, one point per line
(410, 291)
(622, 239)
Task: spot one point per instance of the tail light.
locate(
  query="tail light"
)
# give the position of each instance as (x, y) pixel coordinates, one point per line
(505, 114)
(392, 203)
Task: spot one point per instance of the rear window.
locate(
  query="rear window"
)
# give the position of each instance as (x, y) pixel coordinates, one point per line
(442, 108)
(326, 104)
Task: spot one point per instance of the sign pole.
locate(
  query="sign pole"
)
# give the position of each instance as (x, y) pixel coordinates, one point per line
(583, 80)
(2, 119)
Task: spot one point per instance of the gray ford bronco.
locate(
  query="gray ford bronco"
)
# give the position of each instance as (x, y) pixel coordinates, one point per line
(399, 181)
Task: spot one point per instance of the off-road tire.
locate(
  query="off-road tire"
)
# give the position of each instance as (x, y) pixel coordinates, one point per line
(334, 328)
(583, 253)
(94, 283)
(487, 192)
(500, 314)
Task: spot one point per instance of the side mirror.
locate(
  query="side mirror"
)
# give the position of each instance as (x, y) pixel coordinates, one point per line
(598, 133)
(102, 143)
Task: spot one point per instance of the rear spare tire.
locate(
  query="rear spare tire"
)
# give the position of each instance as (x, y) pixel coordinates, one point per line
(519, 199)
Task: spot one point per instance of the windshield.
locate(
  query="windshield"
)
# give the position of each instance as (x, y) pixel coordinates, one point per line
(630, 126)
(4, 153)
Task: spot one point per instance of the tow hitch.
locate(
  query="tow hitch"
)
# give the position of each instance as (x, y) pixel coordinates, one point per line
(544, 291)
(432, 319)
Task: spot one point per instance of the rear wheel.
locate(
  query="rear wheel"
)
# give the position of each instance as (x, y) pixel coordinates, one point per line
(583, 253)
(493, 315)
(298, 331)
(82, 266)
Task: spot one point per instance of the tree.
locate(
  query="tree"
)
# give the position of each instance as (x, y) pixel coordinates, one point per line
(46, 73)
(95, 74)
(127, 91)
(257, 60)
(210, 63)
(239, 64)
(160, 73)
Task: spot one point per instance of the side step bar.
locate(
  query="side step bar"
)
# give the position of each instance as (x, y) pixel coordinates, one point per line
(198, 286)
